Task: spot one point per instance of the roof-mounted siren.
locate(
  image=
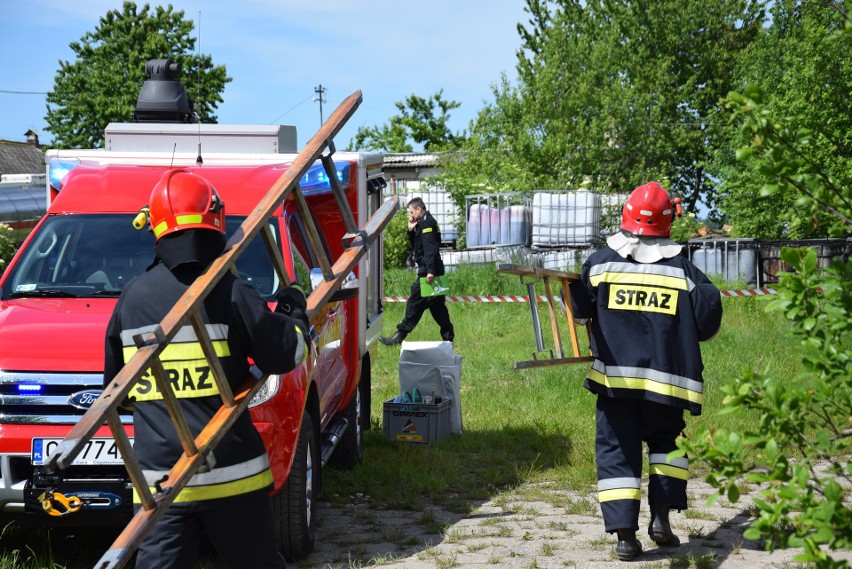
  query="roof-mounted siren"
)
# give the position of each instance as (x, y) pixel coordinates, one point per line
(162, 98)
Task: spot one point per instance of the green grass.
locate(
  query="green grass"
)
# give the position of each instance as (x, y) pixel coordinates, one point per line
(533, 425)
(521, 426)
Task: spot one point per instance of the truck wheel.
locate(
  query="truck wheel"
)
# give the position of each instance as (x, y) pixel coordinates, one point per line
(295, 505)
(350, 450)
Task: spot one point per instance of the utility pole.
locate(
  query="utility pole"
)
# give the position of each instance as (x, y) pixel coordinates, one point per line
(320, 91)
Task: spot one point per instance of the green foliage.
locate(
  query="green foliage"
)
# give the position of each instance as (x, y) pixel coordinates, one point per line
(396, 244)
(7, 246)
(784, 157)
(420, 121)
(103, 83)
(803, 436)
(798, 450)
(802, 60)
(610, 95)
(685, 228)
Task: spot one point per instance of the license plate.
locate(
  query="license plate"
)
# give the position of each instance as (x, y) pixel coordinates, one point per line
(102, 451)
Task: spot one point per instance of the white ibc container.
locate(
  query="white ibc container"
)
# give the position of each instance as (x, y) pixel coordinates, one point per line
(472, 224)
(504, 226)
(494, 226)
(519, 216)
(565, 218)
(443, 210)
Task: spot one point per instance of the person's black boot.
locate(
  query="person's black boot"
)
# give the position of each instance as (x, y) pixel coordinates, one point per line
(659, 529)
(394, 340)
(628, 546)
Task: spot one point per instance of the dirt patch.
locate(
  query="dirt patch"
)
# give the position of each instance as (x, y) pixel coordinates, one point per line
(533, 527)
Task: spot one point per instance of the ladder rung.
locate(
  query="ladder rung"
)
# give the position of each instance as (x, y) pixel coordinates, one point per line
(313, 235)
(212, 359)
(175, 412)
(337, 190)
(130, 461)
(275, 254)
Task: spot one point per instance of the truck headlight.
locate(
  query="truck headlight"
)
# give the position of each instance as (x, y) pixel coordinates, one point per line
(267, 392)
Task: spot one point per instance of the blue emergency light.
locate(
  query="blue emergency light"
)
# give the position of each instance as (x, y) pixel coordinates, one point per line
(29, 388)
(59, 168)
(316, 181)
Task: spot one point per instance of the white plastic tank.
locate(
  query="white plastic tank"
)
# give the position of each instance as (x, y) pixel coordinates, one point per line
(565, 218)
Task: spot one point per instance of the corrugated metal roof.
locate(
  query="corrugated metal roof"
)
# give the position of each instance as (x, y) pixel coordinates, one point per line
(20, 158)
(410, 160)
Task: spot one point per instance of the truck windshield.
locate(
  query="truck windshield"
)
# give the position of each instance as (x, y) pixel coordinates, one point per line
(85, 256)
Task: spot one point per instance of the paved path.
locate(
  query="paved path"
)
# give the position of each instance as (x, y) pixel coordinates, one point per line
(535, 527)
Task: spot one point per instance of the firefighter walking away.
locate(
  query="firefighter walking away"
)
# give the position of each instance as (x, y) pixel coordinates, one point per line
(649, 308)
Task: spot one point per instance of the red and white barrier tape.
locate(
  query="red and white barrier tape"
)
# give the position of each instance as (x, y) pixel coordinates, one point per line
(739, 293)
(750, 292)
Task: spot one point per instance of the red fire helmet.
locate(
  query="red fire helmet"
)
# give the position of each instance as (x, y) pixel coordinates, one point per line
(649, 211)
(183, 200)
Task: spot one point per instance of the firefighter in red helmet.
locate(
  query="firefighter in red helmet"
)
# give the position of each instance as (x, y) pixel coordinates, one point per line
(649, 308)
(228, 499)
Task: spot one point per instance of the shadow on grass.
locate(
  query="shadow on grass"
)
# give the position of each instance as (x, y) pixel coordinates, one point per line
(401, 500)
(404, 497)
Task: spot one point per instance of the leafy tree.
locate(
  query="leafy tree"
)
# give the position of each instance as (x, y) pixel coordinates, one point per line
(610, 94)
(103, 83)
(420, 121)
(806, 71)
(7, 246)
(799, 449)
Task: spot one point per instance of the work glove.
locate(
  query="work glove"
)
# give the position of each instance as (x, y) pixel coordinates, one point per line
(292, 302)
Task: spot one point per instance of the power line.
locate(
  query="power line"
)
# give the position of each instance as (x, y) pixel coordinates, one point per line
(23, 92)
(275, 120)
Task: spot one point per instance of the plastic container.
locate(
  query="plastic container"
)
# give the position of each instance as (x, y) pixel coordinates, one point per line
(416, 422)
(565, 218)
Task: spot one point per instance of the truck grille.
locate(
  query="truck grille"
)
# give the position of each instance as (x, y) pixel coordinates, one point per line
(46, 398)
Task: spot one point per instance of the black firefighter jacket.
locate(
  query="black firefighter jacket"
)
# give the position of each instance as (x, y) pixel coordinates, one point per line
(647, 321)
(240, 325)
(425, 239)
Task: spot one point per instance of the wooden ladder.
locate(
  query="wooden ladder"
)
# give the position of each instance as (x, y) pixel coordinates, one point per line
(153, 341)
(529, 275)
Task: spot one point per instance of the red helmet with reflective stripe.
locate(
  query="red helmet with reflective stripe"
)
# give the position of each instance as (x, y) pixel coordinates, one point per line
(649, 211)
(183, 200)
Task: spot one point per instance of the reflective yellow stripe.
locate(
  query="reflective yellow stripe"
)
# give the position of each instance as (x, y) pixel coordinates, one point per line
(188, 218)
(646, 385)
(619, 494)
(666, 470)
(640, 279)
(184, 351)
(427, 230)
(160, 227)
(235, 488)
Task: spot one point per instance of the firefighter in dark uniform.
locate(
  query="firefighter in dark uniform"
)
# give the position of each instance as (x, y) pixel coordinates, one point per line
(228, 499)
(649, 308)
(425, 238)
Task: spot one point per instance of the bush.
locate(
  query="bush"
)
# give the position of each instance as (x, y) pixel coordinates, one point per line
(397, 246)
(7, 246)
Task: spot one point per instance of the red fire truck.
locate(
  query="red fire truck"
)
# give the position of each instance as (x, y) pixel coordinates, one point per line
(60, 289)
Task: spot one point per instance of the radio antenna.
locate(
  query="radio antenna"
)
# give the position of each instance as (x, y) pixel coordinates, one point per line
(174, 149)
(198, 160)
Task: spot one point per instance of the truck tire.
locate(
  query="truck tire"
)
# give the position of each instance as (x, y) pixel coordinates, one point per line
(295, 506)
(350, 450)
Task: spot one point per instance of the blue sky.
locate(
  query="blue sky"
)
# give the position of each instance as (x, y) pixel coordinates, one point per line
(278, 51)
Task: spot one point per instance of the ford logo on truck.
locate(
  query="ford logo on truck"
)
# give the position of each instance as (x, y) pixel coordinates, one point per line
(83, 399)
